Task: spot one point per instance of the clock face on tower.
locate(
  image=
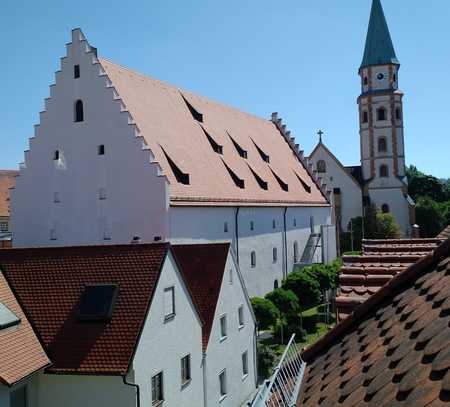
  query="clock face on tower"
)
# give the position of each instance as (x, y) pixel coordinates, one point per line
(380, 76)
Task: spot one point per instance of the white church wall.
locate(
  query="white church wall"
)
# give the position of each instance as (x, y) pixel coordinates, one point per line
(164, 342)
(58, 202)
(226, 354)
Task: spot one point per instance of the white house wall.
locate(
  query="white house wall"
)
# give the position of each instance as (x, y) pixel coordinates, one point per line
(136, 197)
(200, 225)
(227, 354)
(163, 344)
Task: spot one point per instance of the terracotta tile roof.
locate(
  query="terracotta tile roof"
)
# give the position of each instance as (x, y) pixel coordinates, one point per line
(21, 353)
(164, 118)
(394, 350)
(203, 268)
(362, 276)
(48, 283)
(445, 234)
(6, 182)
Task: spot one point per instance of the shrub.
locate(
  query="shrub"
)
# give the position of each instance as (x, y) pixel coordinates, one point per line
(306, 286)
(285, 300)
(310, 323)
(266, 360)
(265, 312)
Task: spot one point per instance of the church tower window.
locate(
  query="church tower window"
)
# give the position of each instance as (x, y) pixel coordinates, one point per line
(365, 116)
(76, 71)
(385, 208)
(398, 113)
(366, 81)
(381, 113)
(79, 111)
(384, 171)
(321, 166)
(382, 145)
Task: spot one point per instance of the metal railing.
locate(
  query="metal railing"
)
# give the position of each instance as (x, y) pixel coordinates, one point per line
(283, 388)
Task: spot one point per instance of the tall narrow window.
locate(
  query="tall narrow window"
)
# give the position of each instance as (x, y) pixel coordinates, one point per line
(366, 81)
(253, 259)
(382, 145)
(274, 224)
(385, 208)
(101, 149)
(223, 327)
(241, 316)
(275, 284)
(157, 389)
(274, 255)
(169, 303)
(365, 116)
(252, 225)
(321, 166)
(79, 112)
(295, 252)
(381, 113)
(295, 222)
(223, 384)
(56, 155)
(384, 171)
(245, 364)
(76, 71)
(185, 369)
(398, 113)
(225, 227)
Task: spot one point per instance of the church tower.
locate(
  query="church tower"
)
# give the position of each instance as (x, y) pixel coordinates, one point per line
(381, 124)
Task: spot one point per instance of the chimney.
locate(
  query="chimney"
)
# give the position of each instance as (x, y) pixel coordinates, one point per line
(415, 234)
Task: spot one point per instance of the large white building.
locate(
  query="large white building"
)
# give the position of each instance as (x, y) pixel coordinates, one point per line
(118, 155)
(381, 178)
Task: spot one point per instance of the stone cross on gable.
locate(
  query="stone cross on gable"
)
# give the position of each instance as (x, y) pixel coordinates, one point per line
(320, 133)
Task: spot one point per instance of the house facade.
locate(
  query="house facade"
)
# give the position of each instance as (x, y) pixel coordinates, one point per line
(382, 173)
(118, 155)
(7, 178)
(128, 329)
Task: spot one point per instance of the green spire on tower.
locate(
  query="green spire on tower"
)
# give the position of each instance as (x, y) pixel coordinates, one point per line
(379, 48)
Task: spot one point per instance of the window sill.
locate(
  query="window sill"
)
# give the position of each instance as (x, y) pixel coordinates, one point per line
(244, 377)
(223, 338)
(185, 384)
(169, 318)
(222, 398)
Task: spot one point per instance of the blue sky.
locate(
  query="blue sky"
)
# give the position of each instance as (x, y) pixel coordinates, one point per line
(297, 57)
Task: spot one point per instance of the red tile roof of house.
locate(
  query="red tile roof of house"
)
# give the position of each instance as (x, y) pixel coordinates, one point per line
(362, 276)
(203, 267)
(162, 115)
(6, 182)
(21, 353)
(48, 282)
(394, 350)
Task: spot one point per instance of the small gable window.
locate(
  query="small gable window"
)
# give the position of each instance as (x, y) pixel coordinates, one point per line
(253, 259)
(382, 145)
(385, 208)
(365, 116)
(76, 71)
(384, 171)
(169, 303)
(241, 316)
(321, 166)
(79, 112)
(381, 114)
(223, 327)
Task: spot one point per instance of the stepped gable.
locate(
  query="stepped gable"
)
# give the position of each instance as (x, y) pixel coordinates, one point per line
(362, 276)
(21, 353)
(394, 350)
(213, 154)
(6, 182)
(49, 282)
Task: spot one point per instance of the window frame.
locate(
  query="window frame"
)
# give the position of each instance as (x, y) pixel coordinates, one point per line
(295, 249)
(223, 327)
(76, 71)
(4, 227)
(244, 361)
(321, 167)
(274, 255)
(241, 319)
(186, 376)
(223, 385)
(381, 114)
(383, 171)
(253, 259)
(365, 117)
(382, 142)
(158, 401)
(170, 316)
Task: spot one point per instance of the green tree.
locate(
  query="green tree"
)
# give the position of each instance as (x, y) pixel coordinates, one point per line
(430, 217)
(266, 312)
(423, 185)
(285, 300)
(306, 286)
(386, 227)
(266, 361)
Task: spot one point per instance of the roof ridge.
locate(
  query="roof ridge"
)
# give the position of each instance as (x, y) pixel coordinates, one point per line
(413, 271)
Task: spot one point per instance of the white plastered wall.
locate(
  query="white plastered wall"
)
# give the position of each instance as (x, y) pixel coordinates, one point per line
(136, 194)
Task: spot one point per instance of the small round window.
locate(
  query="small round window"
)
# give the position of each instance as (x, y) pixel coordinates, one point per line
(380, 76)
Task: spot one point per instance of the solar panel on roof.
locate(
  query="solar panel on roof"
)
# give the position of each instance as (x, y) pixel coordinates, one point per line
(97, 302)
(7, 317)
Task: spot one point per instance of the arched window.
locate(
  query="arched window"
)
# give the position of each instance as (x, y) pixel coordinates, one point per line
(385, 208)
(365, 116)
(79, 113)
(382, 145)
(384, 171)
(275, 284)
(274, 255)
(253, 259)
(381, 113)
(321, 166)
(295, 252)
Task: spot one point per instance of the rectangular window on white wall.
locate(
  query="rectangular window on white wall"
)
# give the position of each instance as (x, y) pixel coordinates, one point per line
(185, 369)
(223, 384)
(169, 303)
(223, 327)
(311, 223)
(241, 316)
(230, 276)
(274, 255)
(245, 364)
(157, 389)
(4, 226)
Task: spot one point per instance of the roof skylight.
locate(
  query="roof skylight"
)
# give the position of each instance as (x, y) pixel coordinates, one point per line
(7, 317)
